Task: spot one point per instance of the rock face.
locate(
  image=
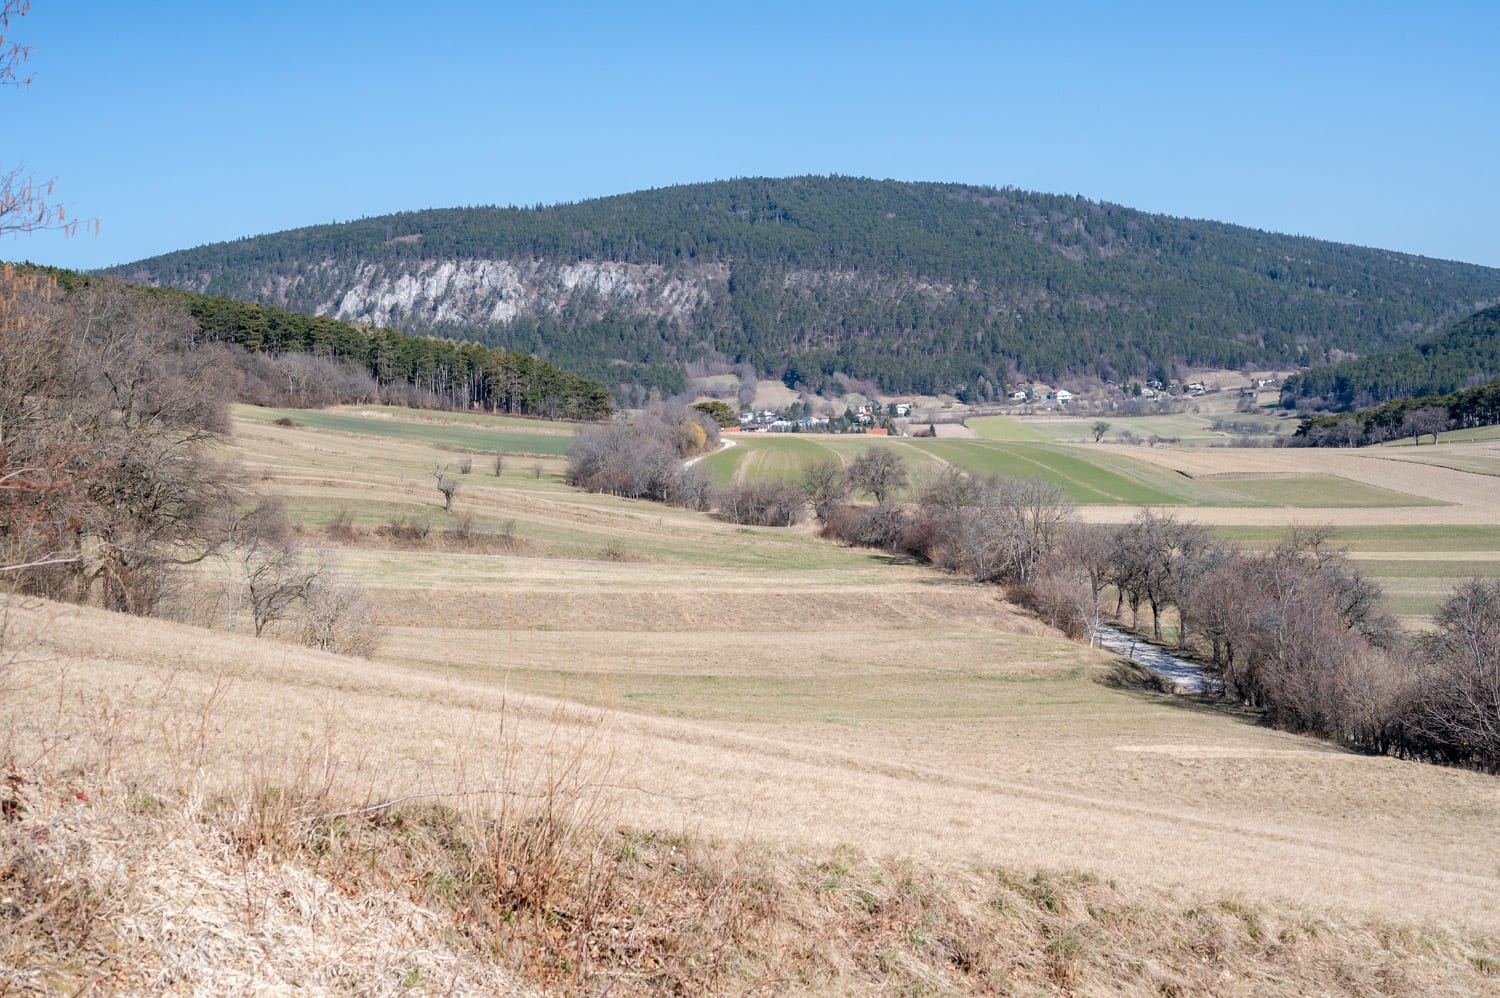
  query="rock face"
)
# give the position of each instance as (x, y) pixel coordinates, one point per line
(483, 291)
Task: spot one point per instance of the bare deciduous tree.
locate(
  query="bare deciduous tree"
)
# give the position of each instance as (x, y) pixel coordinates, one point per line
(1460, 693)
(879, 471)
(446, 484)
(825, 486)
(1429, 419)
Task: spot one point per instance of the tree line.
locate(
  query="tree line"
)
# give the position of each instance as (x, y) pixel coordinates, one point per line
(1403, 417)
(918, 287)
(1296, 631)
(421, 370)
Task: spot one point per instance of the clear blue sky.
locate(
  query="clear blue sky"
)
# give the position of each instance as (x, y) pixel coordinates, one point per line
(180, 123)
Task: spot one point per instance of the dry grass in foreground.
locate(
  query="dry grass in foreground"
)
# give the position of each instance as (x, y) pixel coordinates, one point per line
(165, 832)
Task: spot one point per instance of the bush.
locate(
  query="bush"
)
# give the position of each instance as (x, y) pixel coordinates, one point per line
(338, 617)
(407, 530)
(761, 504)
(867, 526)
(341, 527)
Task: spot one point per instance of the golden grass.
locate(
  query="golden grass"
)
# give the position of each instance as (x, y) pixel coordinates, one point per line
(798, 767)
(191, 831)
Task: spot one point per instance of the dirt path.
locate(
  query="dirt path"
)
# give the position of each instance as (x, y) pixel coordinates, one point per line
(724, 441)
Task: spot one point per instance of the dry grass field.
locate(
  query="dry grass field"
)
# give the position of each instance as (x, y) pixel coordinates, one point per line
(866, 775)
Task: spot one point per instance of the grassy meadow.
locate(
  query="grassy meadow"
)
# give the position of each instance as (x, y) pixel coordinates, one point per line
(864, 774)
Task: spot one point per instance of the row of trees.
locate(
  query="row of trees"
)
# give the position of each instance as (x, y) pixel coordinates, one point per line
(1296, 631)
(421, 370)
(1406, 417)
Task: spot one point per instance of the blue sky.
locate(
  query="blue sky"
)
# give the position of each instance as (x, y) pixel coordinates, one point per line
(178, 123)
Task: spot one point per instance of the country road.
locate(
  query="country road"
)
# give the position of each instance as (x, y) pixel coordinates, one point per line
(725, 441)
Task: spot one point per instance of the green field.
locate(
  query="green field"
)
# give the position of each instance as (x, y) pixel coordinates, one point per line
(1087, 474)
(467, 431)
(1083, 479)
(1005, 428)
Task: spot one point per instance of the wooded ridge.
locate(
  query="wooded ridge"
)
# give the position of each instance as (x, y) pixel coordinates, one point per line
(918, 287)
(1465, 354)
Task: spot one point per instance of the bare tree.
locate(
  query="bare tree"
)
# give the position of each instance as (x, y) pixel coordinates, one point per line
(1460, 692)
(266, 573)
(1029, 515)
(825, 486)
(1086, 551)
(499, 464)
(879, 471)
(1429, 419)
(1099, 428)
(446, 484)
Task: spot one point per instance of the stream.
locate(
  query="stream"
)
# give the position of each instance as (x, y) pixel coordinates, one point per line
(1185, 674)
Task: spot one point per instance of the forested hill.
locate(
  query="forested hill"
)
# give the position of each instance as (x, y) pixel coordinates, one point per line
(1465, 353)
(916, 286)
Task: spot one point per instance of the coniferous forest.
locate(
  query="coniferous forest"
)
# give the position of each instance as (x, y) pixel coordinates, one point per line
(1465, 354)
(917, 287)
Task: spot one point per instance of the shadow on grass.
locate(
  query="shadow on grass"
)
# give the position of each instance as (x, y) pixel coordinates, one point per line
(1140, 683)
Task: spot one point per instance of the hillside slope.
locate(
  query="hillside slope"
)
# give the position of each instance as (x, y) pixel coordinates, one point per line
(1465, 353)
(917, 286)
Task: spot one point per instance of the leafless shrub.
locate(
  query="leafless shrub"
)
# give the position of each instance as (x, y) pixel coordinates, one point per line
(867, 526)
(466, 464)
(462, 532)
(498, 464)
(1458, 701)
(761, 504)
(692, 488)
(338, 616)
(341, 527)
(408, 530)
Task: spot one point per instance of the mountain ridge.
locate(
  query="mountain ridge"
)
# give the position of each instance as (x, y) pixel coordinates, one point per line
(915, 286)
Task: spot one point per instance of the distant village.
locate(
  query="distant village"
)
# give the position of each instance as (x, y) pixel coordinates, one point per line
(904, 417)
